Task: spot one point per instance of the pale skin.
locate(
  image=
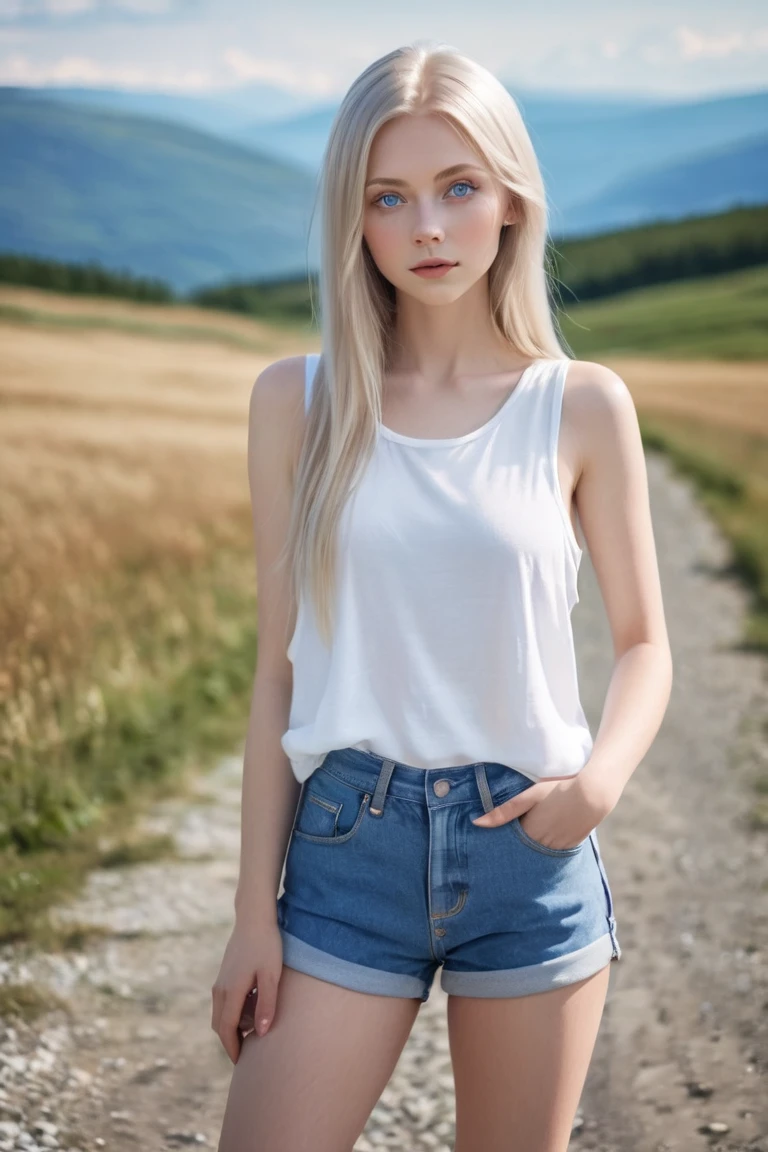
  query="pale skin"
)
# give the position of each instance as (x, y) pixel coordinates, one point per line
(519, 1063)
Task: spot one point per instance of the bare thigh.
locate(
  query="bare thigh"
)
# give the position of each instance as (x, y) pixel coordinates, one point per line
(312, 1082)
(520, 1064)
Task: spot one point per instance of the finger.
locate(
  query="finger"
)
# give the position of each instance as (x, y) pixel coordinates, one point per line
(501, 814)
(247, 1022)
(264, 1012)
(216, 1001)
(229, 1035)
(510, 809)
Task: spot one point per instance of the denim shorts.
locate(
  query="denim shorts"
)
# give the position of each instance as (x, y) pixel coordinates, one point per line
(386, 879)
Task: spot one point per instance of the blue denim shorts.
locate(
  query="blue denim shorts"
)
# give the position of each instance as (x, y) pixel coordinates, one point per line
(386, 879)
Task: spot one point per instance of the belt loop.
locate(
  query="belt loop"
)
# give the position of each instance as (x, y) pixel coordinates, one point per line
(482, 787)
(377, 803)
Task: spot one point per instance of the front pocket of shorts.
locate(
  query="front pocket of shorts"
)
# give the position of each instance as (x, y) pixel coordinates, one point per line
(529, 842)
(330, 810)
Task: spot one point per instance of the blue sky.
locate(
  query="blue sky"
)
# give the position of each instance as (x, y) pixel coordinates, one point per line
(313, 51)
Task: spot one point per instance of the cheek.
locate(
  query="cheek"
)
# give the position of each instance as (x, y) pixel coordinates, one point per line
(380, 236)
(476, 225)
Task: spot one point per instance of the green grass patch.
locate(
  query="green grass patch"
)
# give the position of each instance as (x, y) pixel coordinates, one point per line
(729, 470)
(143, 850)
(186, 705)
(713, 317)
(28, 1002)
(758, 816)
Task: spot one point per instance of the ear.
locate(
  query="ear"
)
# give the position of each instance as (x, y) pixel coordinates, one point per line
(511, 214)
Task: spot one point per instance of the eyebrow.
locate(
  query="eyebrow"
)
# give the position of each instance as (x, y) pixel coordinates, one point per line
(440, 175)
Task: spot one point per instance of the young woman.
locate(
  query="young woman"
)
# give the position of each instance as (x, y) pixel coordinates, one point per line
(417, 755)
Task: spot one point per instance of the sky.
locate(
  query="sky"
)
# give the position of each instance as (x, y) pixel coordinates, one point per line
(312, 51)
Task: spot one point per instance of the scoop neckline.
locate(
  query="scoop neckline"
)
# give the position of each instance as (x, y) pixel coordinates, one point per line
(449, 441)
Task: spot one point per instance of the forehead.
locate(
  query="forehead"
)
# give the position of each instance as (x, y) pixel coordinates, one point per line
(418, 145)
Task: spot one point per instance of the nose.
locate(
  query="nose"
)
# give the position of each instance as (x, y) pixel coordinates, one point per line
(427, 231)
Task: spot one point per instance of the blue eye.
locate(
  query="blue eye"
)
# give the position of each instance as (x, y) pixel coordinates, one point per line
(464, 184)
(457, 184)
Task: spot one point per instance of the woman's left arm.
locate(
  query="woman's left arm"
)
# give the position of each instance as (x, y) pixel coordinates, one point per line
(613, 504)
(614, 512)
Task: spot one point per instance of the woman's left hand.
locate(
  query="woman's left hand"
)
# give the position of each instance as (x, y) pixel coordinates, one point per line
(564, 811)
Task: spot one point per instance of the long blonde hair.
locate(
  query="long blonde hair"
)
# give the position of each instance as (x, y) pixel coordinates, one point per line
(357, 305)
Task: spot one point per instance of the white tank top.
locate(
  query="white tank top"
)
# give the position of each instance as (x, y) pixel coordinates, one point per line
(457, 574)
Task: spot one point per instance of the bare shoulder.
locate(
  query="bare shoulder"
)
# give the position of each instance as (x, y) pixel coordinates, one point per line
(598, 407)
(276, 413)
(281, 383)
(594, 386)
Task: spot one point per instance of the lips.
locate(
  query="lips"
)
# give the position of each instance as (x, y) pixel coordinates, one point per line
(434, 264)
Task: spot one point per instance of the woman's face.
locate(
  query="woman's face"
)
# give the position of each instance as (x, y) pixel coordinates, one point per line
(413, 213)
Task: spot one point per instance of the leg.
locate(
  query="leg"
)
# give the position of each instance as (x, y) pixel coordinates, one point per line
(520, 1064)
(312, 1082)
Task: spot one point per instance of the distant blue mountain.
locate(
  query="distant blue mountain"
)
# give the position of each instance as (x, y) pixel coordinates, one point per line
(301, 137)
(581, 164)
(147, 196)
(225, 112)
(154, 196)
(712, 181)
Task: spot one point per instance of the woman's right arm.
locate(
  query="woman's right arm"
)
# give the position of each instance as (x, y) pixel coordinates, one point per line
(270, 791)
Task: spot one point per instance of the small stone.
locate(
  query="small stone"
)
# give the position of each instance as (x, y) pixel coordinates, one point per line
(698, 1088)
(116, 1062)
(80, 1076)
(15, 1063)
(715, 1128)
(44, 1128)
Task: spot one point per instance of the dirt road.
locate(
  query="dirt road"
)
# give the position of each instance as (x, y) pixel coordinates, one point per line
(684, 1039)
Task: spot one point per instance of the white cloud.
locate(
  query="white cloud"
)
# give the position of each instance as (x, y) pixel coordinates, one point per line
(25, 11)
(694, 45)
(68, 7)
(83, 70)
(610, 49)
(279, 72)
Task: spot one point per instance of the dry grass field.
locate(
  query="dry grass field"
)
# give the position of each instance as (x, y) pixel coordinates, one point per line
(724, 395)
(127, 591)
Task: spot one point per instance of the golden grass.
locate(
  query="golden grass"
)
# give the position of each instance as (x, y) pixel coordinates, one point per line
(114, 451)
(733, 395)
(59, 305)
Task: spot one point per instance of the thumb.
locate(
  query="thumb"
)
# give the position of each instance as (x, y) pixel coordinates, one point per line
(512, 808)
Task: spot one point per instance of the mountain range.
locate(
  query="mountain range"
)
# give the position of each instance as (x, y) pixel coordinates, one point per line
(198, 190)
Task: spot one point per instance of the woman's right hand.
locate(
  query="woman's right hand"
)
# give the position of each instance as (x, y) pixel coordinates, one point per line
(253, 958)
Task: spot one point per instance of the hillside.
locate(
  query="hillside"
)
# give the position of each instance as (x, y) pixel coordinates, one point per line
(158, 198)
(139, 191)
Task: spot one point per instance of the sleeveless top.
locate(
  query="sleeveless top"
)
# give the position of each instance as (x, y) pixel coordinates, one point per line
(457, 574)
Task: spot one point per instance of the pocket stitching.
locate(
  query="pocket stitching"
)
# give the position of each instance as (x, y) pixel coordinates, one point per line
(334, 809)
(337, 839)
(543, 848)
